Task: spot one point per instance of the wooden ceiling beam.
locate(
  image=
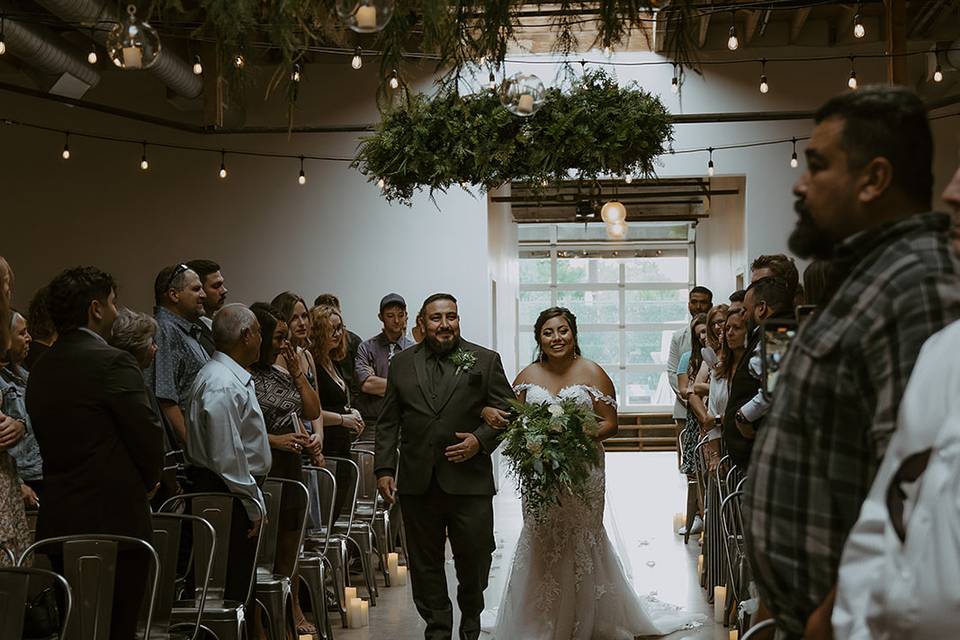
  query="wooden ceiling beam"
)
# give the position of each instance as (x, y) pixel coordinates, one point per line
(750, 29)
(797, 22)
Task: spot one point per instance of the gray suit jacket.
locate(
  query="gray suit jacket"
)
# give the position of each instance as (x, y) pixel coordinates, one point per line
(421, 422)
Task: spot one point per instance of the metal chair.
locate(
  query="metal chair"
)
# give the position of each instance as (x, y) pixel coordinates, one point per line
(15, 589)
(731, 522)
(273, 589)
(89, 566)
(368, 511)
(348, 529)
(226, 619)
(760, 626)
(167, 535)
(314, 563)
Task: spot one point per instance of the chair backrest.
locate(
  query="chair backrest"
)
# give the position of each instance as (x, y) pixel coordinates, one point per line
(731, 522)
(8, 554)
(90, 565)
(167, 530)
(345, 468)
(367, 484)
(280, 491)
(757, 628)
(323, 491)
(217, 510)
(15, 589)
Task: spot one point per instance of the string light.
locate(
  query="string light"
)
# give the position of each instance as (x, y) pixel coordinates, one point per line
(493, 82)
(381, 183)
(92, 56)
(628, 178)
(394, 80)
(357, 61)
(302, 178)
(852, 79)
(794, 162)
(65, 154)
(239, 61)
(143, 158)
(223, 166)
(710, 163)
(675, 82)
(295, 76)
(859, 30)
(197, 66)
(938, 72)
(3, 39)
(733, 43)
(764, 87)
(607, 51)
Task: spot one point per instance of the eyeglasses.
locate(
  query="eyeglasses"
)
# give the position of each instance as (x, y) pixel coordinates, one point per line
(173, 276)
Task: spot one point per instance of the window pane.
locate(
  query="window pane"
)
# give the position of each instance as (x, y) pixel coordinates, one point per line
(658, 269)
(533, 232)
(656, 305)
(577, 232)
(644, 389)
(592, 307)
(587, 266)
(534, 267)
(602, 347)
(531, 304)
(528, 348)
(648, 347)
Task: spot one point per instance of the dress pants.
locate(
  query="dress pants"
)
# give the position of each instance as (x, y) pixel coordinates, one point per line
(429, 519)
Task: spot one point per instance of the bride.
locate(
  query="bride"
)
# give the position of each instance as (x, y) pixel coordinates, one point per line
(567, 581)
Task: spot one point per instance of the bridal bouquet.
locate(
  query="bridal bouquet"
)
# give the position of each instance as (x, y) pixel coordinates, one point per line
(550, 449)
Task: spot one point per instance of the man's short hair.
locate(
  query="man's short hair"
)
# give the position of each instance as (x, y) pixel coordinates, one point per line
(172, 277)
(39, 322)
(229, 324)
(203, 268)
(887, 122)
(775, 291)
(738, 295)
(433, 298)
(703, 291)
(71, 293)
(327, 300)
(781, 266)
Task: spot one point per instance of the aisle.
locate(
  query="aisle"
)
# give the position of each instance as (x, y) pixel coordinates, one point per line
(645, 490)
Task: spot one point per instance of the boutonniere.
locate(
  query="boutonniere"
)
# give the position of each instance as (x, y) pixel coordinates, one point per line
(464, 360)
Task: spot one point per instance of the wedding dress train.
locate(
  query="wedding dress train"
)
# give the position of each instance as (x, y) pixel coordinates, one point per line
(567, 582)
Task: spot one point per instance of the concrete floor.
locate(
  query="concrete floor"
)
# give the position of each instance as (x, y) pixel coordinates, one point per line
(644, 491)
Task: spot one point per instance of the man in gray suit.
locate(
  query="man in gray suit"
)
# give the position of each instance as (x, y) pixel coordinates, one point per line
(431, 411)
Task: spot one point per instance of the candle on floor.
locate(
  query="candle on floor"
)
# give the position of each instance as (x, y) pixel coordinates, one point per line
(700, 564)
(365, 613)
(401, 576)
(393, 561)
(677, 521)
(525, 105)
(367, 17)
(719, 604)
(349, 593)
(354, 614)
(734, 634)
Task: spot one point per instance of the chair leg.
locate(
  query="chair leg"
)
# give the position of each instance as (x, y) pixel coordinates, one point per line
(362, 543)
(314, 578)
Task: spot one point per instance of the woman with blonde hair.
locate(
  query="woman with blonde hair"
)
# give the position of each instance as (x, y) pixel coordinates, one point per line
(341, 423)
(707, 397)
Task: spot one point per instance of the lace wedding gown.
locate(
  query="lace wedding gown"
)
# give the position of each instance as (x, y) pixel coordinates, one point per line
(567, 582)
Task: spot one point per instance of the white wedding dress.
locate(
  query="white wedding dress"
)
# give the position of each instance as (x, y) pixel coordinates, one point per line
(567, 582)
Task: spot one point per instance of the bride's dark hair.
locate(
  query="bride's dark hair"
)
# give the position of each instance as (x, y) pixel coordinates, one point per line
(550, 314)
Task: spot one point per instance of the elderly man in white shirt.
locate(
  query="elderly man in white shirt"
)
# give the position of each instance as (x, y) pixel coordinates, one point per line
(898, 574)
(227, 435)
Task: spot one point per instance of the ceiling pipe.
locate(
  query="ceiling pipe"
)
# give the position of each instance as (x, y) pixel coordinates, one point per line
(170, 68)
(41, 49)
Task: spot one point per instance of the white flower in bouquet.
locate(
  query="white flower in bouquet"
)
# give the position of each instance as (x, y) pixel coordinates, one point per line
(555, 410)
(535, 446)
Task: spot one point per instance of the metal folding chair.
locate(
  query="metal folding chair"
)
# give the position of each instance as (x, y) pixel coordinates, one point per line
(757, 628)
(15, 589)
(314, 563)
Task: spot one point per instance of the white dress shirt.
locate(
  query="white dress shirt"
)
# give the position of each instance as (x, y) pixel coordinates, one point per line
(893, 589)
(226, 432)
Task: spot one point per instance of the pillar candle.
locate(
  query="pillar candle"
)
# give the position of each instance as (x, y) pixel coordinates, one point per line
(401, 576)
(354, 614)
(719, 604)
(349, 594)
(525, 105)
(734, 634)
(132, 58)
(365, 613)
(700, 564)
(367, 17)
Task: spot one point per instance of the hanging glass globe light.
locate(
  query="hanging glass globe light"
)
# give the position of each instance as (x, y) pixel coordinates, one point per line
(365, 16)
(132, 43)
(522, 94)
(613, 211)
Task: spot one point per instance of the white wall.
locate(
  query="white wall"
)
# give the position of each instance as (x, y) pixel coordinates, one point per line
(504, 269)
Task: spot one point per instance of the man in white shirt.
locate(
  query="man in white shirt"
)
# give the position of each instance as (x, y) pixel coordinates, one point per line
(227, 435)
(700, 301)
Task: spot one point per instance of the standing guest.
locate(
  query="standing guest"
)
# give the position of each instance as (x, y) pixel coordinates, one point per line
(688, 367)
(817, 279)
(215, 290)
(14, 534)
(864, 203)
(374, 356)
(227, 443)
(42, 332)
(101, 442)
(709, 414)
(13, 387)
(348, 364)
(341, 424)
(418, 329)
(179, 295)
(699, 301)
(284, 396)
(736, 301)
(779, 265)
(292, 309)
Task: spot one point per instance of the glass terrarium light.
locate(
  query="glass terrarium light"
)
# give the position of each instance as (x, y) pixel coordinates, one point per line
(132, 43)
(365, 16)
(522, 94)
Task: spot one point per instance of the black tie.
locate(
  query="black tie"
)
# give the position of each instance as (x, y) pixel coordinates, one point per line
(436, 371)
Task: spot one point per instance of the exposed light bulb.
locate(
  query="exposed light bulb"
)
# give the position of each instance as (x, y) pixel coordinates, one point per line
(394, 80)
(302, 178)
(357, 61)
(764, 87)
(92, 56)
(710, 169)
(239, 61)
(675, 85)
(852, 80)
(493, 82)
(295, 76)
(381, 183)
(117, 63)
(144, 164)
(66, 152)
(628, 178)
(3, 45)
(794, 162)
(858, 29)
(733, 43)
(197, 66)
(223, 172)
(938, 74)
(607, 51)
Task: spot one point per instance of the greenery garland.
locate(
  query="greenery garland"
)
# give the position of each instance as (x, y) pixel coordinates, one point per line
(598, 128)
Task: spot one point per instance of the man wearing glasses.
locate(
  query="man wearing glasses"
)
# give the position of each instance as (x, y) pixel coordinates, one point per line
(179, 297)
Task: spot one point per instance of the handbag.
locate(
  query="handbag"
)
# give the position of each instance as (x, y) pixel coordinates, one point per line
(41, 617)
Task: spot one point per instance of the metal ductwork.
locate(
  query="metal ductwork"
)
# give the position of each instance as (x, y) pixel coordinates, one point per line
(172, 70)
(43, 50)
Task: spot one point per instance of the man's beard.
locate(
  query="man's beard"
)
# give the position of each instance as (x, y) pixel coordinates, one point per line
(442, 348)
(807, 240)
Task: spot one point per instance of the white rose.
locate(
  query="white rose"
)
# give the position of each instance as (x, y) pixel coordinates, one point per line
(555, 410)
